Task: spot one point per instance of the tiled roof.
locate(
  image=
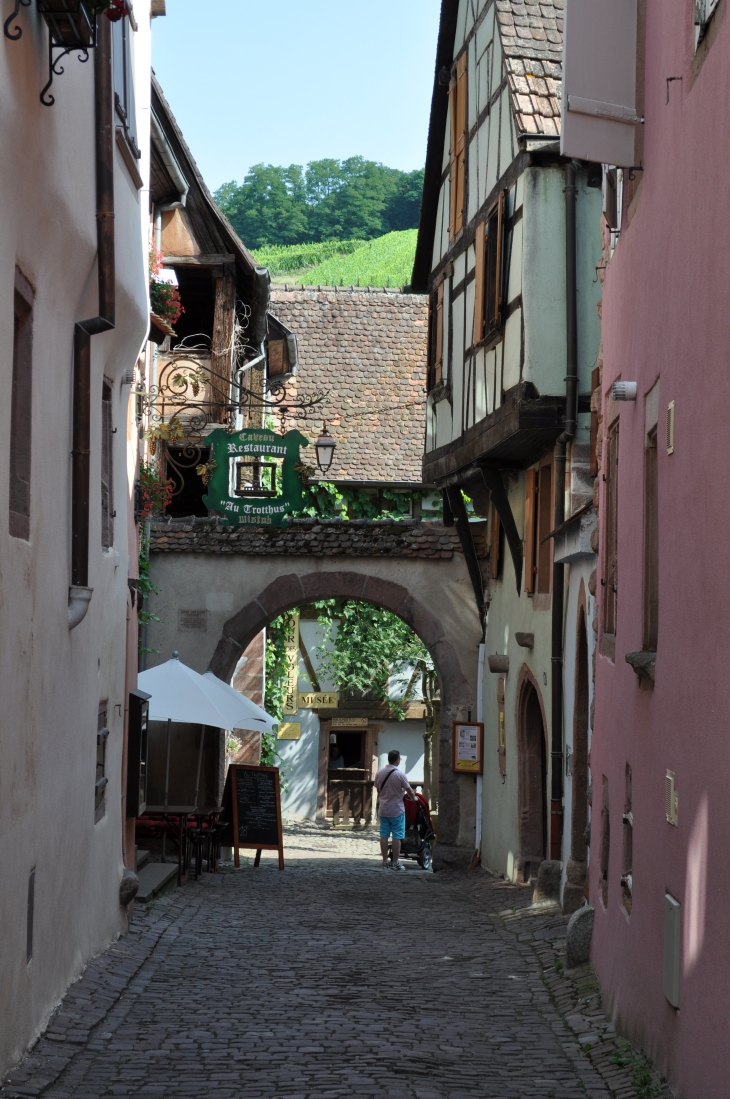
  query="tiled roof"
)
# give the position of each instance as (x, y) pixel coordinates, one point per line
(366, 349)
(310, 538)
(532, 42)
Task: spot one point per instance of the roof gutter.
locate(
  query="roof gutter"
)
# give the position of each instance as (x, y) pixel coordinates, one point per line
(159, 138)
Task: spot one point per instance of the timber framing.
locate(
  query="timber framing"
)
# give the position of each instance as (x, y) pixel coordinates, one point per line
(514, 436)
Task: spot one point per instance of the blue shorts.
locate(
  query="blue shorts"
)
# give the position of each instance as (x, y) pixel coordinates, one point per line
(396, 825)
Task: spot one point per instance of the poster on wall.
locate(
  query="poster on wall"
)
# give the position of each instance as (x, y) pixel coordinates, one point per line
(467, 743)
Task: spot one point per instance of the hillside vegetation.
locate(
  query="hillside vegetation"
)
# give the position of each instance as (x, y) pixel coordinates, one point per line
(354, 199)
(386, 261)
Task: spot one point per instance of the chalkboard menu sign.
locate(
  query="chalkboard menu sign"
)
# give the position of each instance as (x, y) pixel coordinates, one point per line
(252, 807)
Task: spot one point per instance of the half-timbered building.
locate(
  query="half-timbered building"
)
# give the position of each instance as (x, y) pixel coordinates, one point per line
(507, 251)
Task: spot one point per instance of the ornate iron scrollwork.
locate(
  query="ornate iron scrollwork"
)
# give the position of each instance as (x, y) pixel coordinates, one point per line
(190, 394)
(72, 28)
(55, 69)
(17, 32)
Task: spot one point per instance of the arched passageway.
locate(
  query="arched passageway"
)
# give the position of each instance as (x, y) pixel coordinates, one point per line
(532, 748)
(211, 604)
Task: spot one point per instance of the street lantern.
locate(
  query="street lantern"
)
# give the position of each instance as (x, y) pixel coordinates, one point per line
(324, 449)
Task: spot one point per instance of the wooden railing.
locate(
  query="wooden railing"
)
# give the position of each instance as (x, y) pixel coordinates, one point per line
(351, 800)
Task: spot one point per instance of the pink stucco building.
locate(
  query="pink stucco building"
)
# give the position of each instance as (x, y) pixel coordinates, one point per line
(660, 757)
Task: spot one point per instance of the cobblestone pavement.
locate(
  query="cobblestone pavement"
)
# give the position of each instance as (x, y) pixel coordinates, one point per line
(332, 978)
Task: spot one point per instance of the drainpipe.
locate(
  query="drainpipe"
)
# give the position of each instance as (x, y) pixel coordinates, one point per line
(80, 592)
(479, 778)
(571, 413)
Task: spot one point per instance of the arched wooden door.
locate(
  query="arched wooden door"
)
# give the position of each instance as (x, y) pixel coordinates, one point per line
(532, 782)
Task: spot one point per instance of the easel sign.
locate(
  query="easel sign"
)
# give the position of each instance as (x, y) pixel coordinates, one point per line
(467, 747)
(252, 806)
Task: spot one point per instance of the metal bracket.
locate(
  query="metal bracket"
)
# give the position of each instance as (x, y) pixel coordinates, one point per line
(54, 69)
(17, 33)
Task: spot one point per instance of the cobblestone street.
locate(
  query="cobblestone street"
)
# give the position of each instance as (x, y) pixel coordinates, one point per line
(334, 978)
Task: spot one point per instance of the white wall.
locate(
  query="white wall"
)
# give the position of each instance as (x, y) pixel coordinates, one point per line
(407, 738)
(53, 680)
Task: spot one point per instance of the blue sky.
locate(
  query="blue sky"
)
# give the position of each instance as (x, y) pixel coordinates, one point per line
(289, 81)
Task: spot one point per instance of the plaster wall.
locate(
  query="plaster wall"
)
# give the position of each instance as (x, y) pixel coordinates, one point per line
(510, 613)
(54, 680)
(544, 279)
(665, 317)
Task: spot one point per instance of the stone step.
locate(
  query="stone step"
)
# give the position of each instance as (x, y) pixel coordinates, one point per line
(156, 878)
(143, 857)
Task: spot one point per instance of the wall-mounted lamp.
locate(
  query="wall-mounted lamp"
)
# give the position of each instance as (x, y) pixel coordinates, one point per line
(623, 391)
(324, 449)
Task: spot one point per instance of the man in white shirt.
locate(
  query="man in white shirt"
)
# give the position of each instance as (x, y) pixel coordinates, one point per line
(392, 786)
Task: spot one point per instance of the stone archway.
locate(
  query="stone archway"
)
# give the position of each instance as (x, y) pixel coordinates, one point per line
(577, 867)
(532, 753)
(296, 589)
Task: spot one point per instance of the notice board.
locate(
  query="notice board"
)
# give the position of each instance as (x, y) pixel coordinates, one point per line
(467, 746)
(252, 808)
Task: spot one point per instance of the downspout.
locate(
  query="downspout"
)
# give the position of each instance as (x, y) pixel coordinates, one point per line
(80, 592)
(571, 413)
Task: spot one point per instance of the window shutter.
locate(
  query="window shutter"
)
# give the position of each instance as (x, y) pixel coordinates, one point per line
(457, 98)
(599, 81)
(543, 551)
(530, 510)
(479, 248)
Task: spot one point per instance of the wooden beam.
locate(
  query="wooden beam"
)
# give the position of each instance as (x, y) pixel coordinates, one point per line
(205, 259)
(463, 529)
(493, 481)
(222, 343)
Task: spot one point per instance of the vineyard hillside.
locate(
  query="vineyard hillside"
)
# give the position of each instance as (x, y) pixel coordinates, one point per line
(386, 261)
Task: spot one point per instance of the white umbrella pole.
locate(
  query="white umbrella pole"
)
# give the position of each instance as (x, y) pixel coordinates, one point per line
(200, 761)
(167, 780)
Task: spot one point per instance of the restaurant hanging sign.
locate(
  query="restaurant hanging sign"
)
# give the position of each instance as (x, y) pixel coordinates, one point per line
(254, 476)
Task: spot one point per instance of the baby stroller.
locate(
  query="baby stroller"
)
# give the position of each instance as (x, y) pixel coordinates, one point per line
(419, 833)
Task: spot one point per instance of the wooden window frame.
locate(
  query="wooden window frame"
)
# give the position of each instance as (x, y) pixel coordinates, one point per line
(457, 147)
(21, 411)
(489, 273)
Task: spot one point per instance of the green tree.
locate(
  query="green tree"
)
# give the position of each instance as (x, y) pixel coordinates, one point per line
(269, 207)
(330, 200)
(403, 211)
(370, 646)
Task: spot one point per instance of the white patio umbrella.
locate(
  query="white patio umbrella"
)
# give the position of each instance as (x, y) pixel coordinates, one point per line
(244, 714)
(179, 693)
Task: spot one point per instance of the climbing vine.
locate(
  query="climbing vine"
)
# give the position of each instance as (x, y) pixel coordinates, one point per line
(326, 501)
(369, 646)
